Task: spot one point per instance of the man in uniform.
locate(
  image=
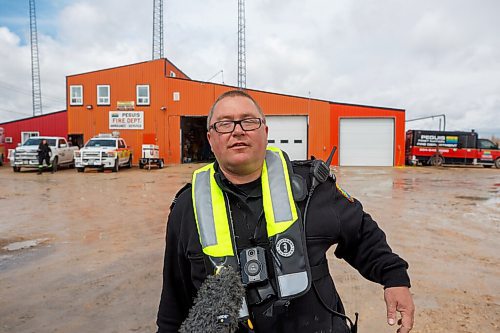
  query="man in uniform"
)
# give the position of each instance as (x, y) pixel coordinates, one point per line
(246, 190)
(44, 154)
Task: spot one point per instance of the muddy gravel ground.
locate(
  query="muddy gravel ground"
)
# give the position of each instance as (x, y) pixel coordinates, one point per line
(84, 252)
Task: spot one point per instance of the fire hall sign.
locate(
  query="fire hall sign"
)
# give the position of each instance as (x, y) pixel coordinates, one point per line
(126, 120)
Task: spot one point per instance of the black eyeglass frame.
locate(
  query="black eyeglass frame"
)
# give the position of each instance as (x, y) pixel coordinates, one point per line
(236, 122)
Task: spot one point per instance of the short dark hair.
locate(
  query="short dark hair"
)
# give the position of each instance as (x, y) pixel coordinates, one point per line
(233, 93)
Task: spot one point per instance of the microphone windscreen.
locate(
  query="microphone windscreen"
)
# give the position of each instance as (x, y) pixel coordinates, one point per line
(217, 304)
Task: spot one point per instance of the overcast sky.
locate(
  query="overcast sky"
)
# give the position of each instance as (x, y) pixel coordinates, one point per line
(428, 57)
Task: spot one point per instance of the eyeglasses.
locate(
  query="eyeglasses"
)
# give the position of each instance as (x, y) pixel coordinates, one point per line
(228, 126)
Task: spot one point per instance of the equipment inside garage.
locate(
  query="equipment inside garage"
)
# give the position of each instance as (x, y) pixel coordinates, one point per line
(366, 142)
(195, 145)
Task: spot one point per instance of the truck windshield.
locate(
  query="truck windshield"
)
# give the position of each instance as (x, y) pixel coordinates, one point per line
(36, 142)
(101, 143)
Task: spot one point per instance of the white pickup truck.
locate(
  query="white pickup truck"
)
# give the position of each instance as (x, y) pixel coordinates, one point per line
(104, 152)
(26, 155)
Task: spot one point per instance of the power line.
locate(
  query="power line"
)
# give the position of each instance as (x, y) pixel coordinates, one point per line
(19, 90)
(213, 76)
(440, 116)
(10, 111)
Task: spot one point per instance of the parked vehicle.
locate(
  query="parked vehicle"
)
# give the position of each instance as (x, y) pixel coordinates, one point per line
(104, 152)
(150, 156)
(450, 147)
(2, 146)
(26, 155)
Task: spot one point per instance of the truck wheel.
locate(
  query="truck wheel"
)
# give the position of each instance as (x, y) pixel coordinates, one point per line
(160, 164)
(116, 167)
(1, 160)
(436, 160)
(129, 163)
(80, 169)
(497, 163)
(16, 169)
(54, 164)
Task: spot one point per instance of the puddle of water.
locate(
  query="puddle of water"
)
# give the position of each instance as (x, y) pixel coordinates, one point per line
(468, 197)
(24, 244)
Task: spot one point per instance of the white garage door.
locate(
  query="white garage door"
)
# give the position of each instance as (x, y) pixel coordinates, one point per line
(289, 133)
(366, 142)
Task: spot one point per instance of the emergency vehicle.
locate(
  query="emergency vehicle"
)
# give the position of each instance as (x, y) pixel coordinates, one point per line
(104, 151)
(450, 147)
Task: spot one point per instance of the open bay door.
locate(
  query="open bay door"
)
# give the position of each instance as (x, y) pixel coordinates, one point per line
(289, 133)
(366, 142)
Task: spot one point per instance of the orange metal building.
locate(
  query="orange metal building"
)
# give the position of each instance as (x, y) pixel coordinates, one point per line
(173, 108)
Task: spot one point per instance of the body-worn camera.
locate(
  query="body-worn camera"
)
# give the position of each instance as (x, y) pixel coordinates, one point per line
(253, 265)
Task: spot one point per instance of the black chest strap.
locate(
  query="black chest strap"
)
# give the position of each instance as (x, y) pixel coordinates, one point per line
(260, 294)
(320, 271)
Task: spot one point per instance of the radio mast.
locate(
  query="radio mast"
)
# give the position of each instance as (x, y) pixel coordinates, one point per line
(35, 65)
(157, 29)
(242, 57)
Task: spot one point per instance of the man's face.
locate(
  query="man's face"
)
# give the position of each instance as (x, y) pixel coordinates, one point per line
(240, 152)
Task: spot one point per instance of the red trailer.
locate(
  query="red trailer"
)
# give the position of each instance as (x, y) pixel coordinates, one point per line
(450, 147)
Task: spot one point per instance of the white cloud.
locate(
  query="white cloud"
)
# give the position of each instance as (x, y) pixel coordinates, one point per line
(426, 57)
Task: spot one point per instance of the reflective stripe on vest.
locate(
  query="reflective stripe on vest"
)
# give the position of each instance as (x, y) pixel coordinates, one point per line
(277, 197)
(210, 214)
(210, 207)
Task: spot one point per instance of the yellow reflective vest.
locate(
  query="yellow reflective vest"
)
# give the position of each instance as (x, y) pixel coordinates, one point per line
(283, 222)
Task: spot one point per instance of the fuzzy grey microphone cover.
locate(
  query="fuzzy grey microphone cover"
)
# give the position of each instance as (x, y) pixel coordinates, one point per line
(217, 305)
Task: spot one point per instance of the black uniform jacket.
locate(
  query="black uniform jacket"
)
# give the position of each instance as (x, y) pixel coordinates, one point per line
(331, 219)
(44, 150)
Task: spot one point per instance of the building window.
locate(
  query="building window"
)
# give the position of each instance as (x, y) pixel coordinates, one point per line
(26, 135)
(172, 74)
(103, 95)
(76, 95)
(143, 95)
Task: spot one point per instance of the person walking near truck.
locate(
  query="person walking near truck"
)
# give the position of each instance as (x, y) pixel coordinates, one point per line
(44, 154)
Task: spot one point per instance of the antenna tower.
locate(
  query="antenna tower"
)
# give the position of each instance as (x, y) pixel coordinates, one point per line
(35, 65)
(157, 29)
(242, 57)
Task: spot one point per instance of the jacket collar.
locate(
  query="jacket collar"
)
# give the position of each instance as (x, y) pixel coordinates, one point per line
(252, 189)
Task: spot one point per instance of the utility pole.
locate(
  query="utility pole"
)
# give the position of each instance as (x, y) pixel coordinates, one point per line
(242, 57)
(157, 29)
(35, 65)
